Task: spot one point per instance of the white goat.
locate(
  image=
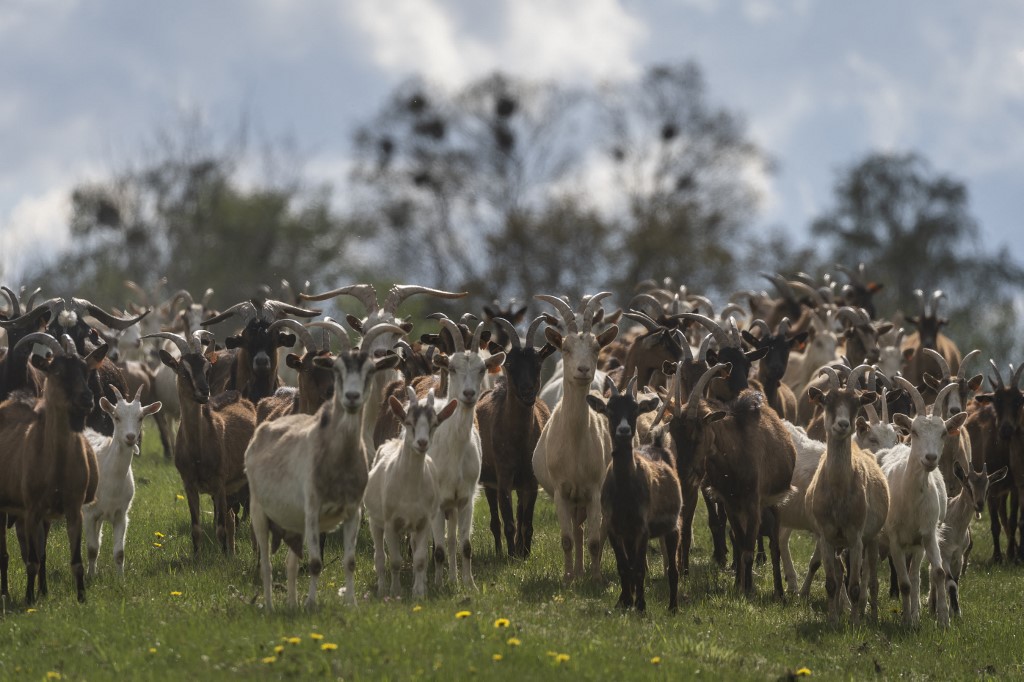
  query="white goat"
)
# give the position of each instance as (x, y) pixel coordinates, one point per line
(574, 449)
(307, 472)
(918, 501)
(117, 485)
(456, 453)
(401, 495)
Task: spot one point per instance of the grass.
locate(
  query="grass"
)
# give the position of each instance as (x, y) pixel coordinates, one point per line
(175, 617)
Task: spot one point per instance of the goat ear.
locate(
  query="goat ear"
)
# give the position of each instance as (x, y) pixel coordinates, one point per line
(998, 475)
(597, 404)
(942, 321)
(285, 339)
(648, 404)
(152, 408)
(975, 383)
(293, 361)
(553, 337)
(355, 323)
(440, 360)
(874, 287)
(39, 362)
(95, 358)
(931, 382)
(712, 357)
(814, 394)
(868, 398)
(908, 353)
(168, 359)
(323, 363)
(904, 422)
(490, 313)
(495, 361)
(749, 338)
(396, 407)
(954, 423)
(884, 328)
(608, 335)
(862, 425)
(983, 398)
(714, 416)
(798, 340)
(389, 361)
(959, 472)
(914, 320)
(494, 348)
(546, 350)
(757, 354)
(106, 405)
(448, 411)
(233, 342)
(668, 368)
(518, 316)
(406, 326)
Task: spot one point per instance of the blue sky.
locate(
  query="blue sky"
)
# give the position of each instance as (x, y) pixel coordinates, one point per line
(86, 84)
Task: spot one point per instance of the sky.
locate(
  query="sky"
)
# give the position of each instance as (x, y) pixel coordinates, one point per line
(86, 84)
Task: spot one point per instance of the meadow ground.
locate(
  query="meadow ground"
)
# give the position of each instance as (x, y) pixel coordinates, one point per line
(175, 617)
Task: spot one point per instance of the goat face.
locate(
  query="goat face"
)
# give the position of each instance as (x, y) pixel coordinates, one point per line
(928, 434)
(875, 437)
(841, 408)
(318, 381)
(353, 371)
(1008, 404)
(622, 412)
(522, 369)
(261, 344)
(976, 485)
(580, 351)
(466, 372)
(928, 328)
(128, 416)
(72, 324)
(70, 374)
(741, 363)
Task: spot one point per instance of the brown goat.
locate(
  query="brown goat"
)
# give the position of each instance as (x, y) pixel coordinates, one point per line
(928, 335)
(50, 470)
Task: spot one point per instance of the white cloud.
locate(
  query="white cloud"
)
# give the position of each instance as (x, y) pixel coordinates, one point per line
(884, 100)
(35, 228)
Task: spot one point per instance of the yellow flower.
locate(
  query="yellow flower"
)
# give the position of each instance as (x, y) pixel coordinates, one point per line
(294, 640)
(502, 623)
(417, 608)
(157, 545)
(269, 659)
(315, 635)
(803, 672)
(552, 654)
(328, 646)
(561, 658)
(279, 648)
(159, 534)
(179, 497)
(496, 657)
(52, 675)
(463, 614)
(152, 649)
(656, 660)
(513, 641)
(175, 594)
(31, 610)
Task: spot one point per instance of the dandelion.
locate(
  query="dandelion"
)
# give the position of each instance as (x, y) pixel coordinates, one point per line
(158, 534)
(31, 610)
(157, 545)
(561, 658)
(328, 646)
(552, 654)
(803, 672)
(513, 641)
(316, 636)
(53, 675)
(656, 660)
(463, 614)
(417, 608)
(496, 657)
(294, 640)
(175, 593)
(502, 623)
(152, 649)
(269, 659)
(179, 497)
(279, 649)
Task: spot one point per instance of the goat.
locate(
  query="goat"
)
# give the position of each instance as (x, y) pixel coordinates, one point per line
(928, 335)
(212, 435)
(918, 501)
(50, 470)
(573, 450)
(308, 472)
(640, 497)
(861, 335)
(847, 498)
(660, 343)
(116, 485)
(402, 495)
(510, 419)
(860, 292)
(772, 366)
(730, 351)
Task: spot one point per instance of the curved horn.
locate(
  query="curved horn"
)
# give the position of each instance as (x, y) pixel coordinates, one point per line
(610, 383)
(178, 340)
(32, 317)
(1015, 379)
(181, 295)
(15, 303)
(833, 377)
(919, 295)
(507, 327)
(106, 318)
(279, 309)
(998, 375)
(855, 316)
(915, 395)
(568, 316)
(784, 327)
(300, 330)
(885, 406)
(336, 329)
(963, 363)
(400, 292)
(246, 310)
(457, 338)
(139, 292)
(701, 302)
(200, 335)
(364, 293)
(943, 365)
(474, 344)
(940, 399)
(31, 298)
(937, 296)
(781, 285)
(721, 337)
(41, 338)
(861, 373)
(872, 415)
(593, 305)
(732, 309)
(763, 326)
(642, 318)
(809, 292)
(532, 331)
(376, 330)
(631, 386)
(853, 275)
(683, 345)
(646, 304)
(702, 350)
(698, 391)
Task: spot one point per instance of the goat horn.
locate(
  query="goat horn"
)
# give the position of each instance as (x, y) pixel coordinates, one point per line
(457, 338)
(106, 318)
(593, 305)
(781, 285)
(335, 328)
(701, 302)
(137, 290)
(246, 310)
(683, 345)
(698, 391)
(200, 335)
(720, 335)
(41, 338)
(207, 295)
(963, 363)
(117, 394)
(885, 406)
(646, 304)
(833, 377)
(1015, 379)
(181, 294)
(278, 309)
(702, 350)
(15, 303)
(915, 395)
(513, 335)
(369, 335)
(943, 365)
(364, 293)
(784, 327)
(631, 386)
(642, 318)
(732, 309)
(568, 316)
(532, 330)
(763, 326)
(474, 346)
(998, 379)
(937, 297)
(410, 393)
(399, 292)
(300, 331)
(808, 291)
(610, 384)
(861, 373)
(853, 275)
(872, 415)
(940, 399)
(178, 340)
(919, 295)
(31, 298)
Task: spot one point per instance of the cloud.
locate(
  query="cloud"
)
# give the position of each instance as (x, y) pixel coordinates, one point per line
(35, 229)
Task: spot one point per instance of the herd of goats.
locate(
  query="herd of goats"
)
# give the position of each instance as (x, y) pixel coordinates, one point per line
(798, 411)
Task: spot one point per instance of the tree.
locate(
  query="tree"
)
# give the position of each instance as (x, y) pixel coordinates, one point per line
(913, 228)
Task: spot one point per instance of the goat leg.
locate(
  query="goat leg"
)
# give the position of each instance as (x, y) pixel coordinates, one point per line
(672, 568)
(686, 531)
(492, 505)
(639, 566)
(524, 523)
(625, 577)
(74, 522)
(4, 557)
(508, 519)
